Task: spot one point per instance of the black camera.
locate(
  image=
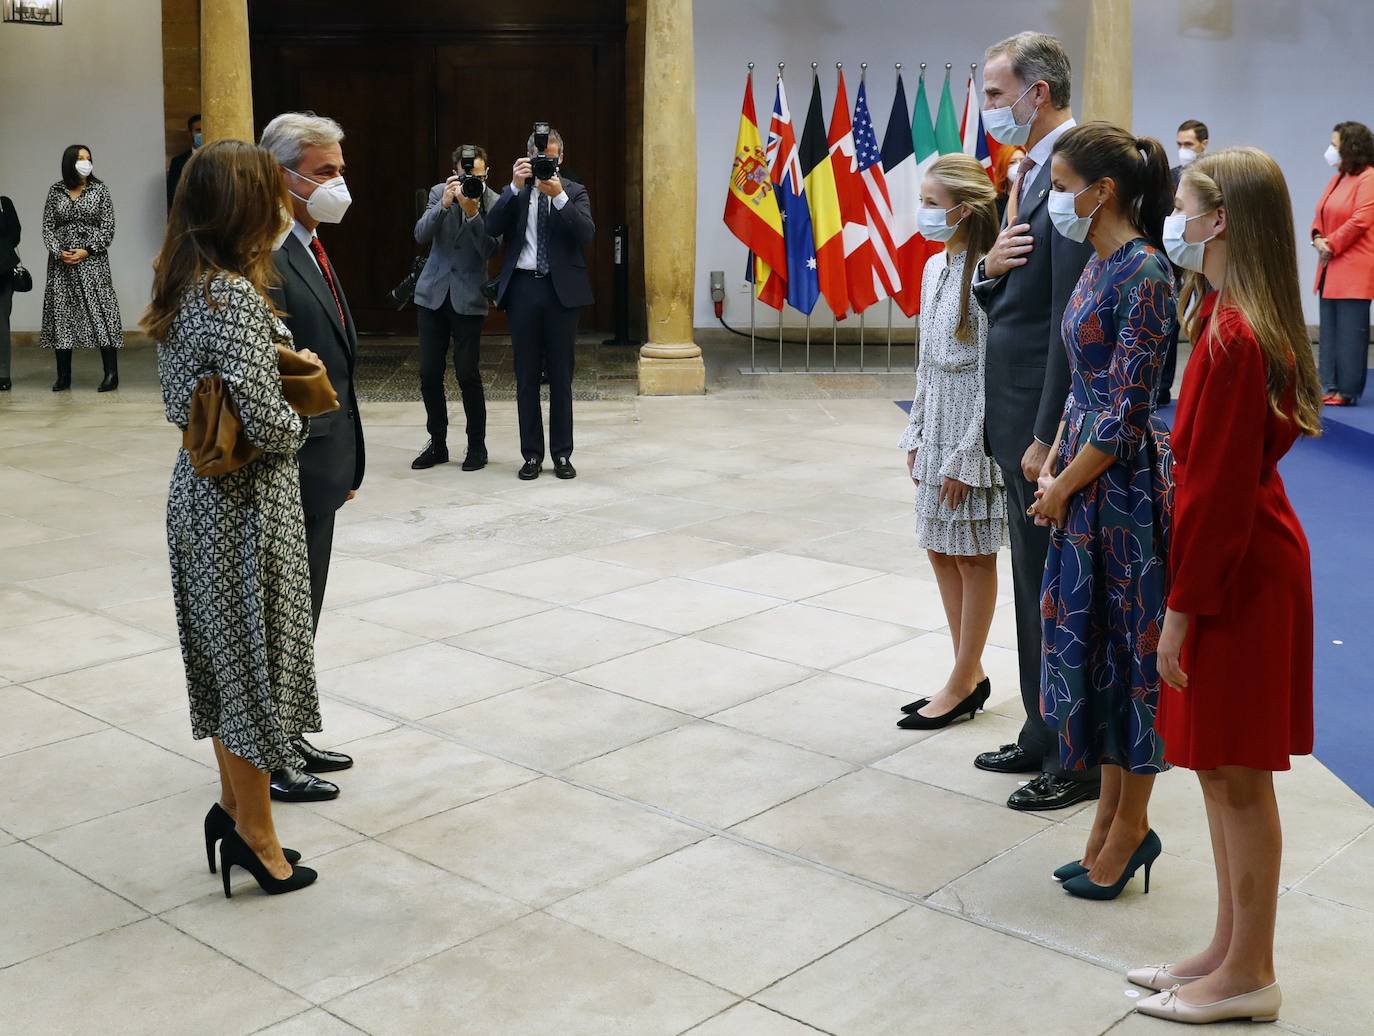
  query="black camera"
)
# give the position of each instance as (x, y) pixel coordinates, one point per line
(472, 185)
(544, 167)
(405, 291)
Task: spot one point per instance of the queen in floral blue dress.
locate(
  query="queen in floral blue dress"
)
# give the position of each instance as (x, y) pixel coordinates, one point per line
(1103, 599)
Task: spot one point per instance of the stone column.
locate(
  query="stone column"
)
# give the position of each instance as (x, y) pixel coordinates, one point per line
(670, 364)
(226, 84)
(1107, 63)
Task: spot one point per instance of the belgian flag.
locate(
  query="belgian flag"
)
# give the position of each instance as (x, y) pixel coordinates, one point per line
(822, 197)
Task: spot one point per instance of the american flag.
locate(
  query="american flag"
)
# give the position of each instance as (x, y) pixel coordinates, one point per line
(877, 202)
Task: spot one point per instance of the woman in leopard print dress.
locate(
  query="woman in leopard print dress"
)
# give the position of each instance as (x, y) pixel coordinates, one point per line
(240, 578)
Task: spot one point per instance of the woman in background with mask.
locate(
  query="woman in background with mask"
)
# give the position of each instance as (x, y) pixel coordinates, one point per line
(960, 498)
(1106, 492)
(1004, 171)
(1236, 650)
(80, 310)
(1343, 235)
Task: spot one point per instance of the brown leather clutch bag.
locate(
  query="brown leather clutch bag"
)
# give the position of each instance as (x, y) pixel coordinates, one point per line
(214, 431)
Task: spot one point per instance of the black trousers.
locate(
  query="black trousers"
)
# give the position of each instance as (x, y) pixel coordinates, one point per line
(319, 545)
(1030, 543)
(1343, 346)
(543, 332)
(1170, 368)
(439, 327)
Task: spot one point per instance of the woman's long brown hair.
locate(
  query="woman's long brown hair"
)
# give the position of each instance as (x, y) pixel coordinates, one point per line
(964, 177)
(1261, 271)
(225, 215)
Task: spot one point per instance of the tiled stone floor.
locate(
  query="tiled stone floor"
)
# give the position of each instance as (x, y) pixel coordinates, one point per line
(626, 755)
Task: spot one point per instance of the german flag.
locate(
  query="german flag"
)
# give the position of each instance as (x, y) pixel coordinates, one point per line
(822, 197)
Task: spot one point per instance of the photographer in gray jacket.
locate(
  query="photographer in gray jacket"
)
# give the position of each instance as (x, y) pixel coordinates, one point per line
(450, 304)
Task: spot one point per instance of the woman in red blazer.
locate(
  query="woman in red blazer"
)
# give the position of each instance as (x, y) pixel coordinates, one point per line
(1343, 235)
(1236, 649)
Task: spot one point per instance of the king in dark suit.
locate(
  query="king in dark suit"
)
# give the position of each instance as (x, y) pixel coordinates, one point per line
(546, 225)
(315, 310)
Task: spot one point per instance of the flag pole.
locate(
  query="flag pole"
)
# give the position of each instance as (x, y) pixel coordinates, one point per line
(808, 343)
(889, 333)
(782, 309)
(834, 322)
(863, 77)
(753, 269)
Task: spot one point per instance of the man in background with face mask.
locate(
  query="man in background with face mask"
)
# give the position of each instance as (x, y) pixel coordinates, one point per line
(309, 150)
(1023, 284)
(1191, 142)
(178, 163)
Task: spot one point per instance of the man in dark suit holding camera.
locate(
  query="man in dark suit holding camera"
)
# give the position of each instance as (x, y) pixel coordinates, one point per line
(308, 148)
(546, 223)
(450, 305)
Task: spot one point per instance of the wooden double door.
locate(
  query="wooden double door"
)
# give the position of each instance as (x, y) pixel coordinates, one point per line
(407, 100)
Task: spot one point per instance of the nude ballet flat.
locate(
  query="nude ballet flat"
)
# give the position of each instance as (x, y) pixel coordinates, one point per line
(1159, 978)
(1259, 1005)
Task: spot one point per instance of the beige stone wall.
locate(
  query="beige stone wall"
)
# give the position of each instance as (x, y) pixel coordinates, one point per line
(180, 70)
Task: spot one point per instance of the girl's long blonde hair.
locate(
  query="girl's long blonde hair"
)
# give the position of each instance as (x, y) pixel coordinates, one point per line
(964, 177)
(1261, 271)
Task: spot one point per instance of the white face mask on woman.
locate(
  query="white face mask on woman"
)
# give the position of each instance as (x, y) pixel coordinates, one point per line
(1332, 156)
(1186, 255)
(1065, 217)
(329, 201)
(84, 168)
(933, 223)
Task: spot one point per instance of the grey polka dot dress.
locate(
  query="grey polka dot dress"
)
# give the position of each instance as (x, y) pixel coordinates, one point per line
(240, 577)
(946, 425)
(80, 310)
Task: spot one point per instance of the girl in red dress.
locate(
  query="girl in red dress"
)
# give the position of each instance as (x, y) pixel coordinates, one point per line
(1236, 649)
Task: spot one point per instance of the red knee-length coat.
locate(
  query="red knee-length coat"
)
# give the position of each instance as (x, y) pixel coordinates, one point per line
(1239, 565)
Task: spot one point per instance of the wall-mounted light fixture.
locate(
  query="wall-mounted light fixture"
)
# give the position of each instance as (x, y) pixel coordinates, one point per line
(32, 12)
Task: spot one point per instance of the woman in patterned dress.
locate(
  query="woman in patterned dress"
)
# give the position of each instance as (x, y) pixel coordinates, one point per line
(1236, 649)
(1106, 493)
(960, 506)
(80, 310)
(240, 578)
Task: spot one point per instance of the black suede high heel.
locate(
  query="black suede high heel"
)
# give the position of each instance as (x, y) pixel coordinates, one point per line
(968, 707)
(219, 823)
(984, 684)
(235, 852)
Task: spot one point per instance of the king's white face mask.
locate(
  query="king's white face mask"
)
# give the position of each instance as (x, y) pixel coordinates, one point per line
(934, 223)
(1065, 217)
(329, 201)
(1002, 124)
(1186, 255)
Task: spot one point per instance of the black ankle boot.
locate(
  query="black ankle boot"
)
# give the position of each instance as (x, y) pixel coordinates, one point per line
(109, 359)
(64, 370)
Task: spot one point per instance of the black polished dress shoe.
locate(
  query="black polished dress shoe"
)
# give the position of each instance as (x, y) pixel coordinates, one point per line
(318, 760)
(433, 453)
(968, 707)
(1050, 792)
(983, 686)
(562, 467)
(1008, 759)
(292, 785)
(530, 470)
(475, 460)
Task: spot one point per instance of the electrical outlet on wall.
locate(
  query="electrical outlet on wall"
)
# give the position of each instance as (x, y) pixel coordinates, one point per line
(717, 285)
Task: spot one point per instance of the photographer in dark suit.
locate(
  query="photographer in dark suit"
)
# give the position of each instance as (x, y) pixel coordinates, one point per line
(1023, 285)
(314, 308)
(449, 303)
(546, 222)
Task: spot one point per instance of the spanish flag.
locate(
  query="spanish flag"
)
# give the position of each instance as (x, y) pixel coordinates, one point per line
(751, 206)
(822, 197)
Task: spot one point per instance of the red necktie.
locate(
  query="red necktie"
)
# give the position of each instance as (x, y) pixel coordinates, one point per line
(318, 250)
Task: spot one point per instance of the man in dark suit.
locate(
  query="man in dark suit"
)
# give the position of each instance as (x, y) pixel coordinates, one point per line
(1023, 284)
(178, 163)
(309, 150)
(546, 224)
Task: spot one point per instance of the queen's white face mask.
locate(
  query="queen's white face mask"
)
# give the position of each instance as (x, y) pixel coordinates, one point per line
(1065, 217)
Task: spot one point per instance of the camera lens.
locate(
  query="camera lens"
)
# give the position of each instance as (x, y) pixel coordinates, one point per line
(472, 187)
(544, 167)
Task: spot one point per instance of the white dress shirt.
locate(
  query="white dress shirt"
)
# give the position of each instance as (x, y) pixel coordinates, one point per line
(305, 237)
(529, 251)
